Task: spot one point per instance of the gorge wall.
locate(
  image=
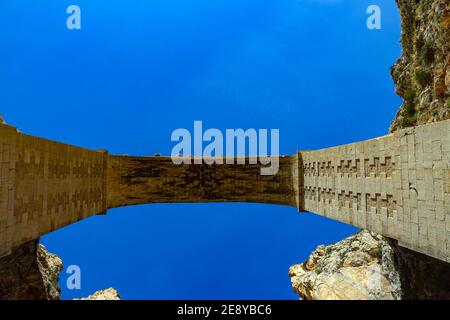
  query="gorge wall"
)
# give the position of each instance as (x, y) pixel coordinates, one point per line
(422, 73)
(30, 272)
(76, 187)
(368, 265)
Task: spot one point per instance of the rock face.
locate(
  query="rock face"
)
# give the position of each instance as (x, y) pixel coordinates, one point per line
(360, 267)
(30, 273)
(370, 266)
(107, 294)
(422, 277)
(422, 74)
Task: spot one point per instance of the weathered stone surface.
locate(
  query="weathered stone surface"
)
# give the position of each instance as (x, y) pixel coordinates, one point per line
(422, 277)
(368, 266)
(397, 185)
(30, 272)
(143, 180)
(357, 268)
(340, 271)
(422, 74)
(380, 184)
(107, 294)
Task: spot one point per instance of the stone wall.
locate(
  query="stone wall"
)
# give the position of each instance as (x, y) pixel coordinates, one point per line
(140, 180)
(397, 185)
(45, 185)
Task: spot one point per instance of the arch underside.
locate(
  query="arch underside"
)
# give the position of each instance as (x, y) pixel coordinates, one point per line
(396, 185)
(144, 180)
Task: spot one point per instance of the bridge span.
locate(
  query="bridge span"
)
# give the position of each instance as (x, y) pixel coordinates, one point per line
(397, 185)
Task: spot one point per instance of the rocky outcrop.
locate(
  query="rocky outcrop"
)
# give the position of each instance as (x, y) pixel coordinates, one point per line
(368, 266)
(30, 272)
(422, 74)
(360, 267)
(422, 78)
(107, 294)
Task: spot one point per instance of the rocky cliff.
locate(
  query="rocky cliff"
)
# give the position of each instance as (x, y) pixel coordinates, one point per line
(359, 267)
(30, 272)
(367, 265)
(422, 74)
(107, 294)
(363, 266)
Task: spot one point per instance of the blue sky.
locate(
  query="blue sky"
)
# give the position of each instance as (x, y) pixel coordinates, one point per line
(137, 70)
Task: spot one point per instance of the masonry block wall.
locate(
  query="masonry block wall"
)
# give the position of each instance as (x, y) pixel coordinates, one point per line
(140, 180)
(397, 185)
(45, 185)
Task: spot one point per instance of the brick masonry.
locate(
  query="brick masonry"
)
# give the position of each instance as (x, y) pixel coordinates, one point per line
(397, 185)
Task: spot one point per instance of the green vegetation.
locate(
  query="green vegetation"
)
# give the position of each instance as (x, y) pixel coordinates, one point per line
(426, 53)
(419, 43)
(408, 113)
(440, 40)
(423, 76)
(410, 102)
(447, 103)
(376, 253)
(426, 4)
(318, 269)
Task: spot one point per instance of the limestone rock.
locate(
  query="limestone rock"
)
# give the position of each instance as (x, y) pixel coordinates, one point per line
(30, 272)
(107, 294)
(368, 266)
(50, 266)
(422, 74)
(357, 268)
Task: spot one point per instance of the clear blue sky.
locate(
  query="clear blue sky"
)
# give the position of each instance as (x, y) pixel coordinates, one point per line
(140, 69)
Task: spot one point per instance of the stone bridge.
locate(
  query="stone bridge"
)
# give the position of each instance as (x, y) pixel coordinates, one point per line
(396, 185)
